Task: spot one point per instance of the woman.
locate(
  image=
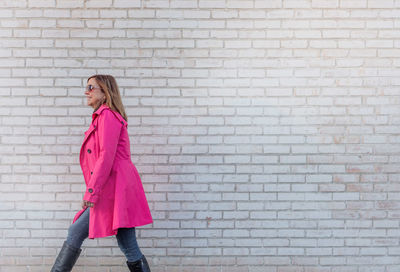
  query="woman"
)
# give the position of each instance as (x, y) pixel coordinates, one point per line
(114, 202)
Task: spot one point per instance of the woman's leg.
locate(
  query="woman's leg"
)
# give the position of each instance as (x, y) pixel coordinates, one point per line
(79, 230)
(136, 261)
(126, 238)
(70, 250)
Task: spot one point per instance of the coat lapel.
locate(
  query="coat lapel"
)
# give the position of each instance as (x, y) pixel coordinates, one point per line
(88, 132)
(93, 125)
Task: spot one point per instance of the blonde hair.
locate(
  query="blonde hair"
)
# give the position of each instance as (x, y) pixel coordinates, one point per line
(109, 87)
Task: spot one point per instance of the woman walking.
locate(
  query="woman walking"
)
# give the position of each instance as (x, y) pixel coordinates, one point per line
(114, 202)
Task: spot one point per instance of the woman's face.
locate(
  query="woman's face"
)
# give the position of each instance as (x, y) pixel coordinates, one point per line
(93, 93)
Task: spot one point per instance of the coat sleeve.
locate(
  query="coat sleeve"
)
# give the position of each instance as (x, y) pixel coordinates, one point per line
(109, 129)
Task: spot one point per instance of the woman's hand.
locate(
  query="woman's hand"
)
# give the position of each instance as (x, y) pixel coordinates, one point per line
(86, 204)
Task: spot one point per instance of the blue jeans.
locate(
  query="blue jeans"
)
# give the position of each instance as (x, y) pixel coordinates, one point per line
(126, 237)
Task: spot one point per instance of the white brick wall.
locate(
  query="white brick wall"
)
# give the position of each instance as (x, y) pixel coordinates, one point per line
(265, 131)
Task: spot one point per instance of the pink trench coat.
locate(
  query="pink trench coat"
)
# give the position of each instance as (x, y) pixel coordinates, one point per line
(112, 180)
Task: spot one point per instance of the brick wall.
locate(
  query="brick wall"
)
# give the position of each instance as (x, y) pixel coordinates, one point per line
(265, 132)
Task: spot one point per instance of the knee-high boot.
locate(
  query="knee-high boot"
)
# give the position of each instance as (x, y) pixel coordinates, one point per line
(140, 265)
(66, 259)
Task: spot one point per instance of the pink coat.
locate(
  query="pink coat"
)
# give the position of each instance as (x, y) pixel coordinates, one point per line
(112, 180)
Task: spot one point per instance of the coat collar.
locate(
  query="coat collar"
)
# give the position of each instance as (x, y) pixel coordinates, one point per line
(103, 107)
(99, 110)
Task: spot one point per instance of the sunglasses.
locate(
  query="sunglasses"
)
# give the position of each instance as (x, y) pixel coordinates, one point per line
(90, 88)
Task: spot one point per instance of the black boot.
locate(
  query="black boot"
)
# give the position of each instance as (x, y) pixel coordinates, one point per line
(66, 259)
(139, 265)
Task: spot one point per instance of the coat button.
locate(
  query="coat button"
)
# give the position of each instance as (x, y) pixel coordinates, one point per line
(89, 151)
(90, 190)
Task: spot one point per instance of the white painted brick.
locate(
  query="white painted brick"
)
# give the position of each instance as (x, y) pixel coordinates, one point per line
(70, 3)
(58, 13)
(42, 23)
(125, 4)
(380, 4)
(85, 13)
(58, 33)
(84, 33)
(6, 13)
(353, 3)
(277, 110)
(24, 33)
(28, 13)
